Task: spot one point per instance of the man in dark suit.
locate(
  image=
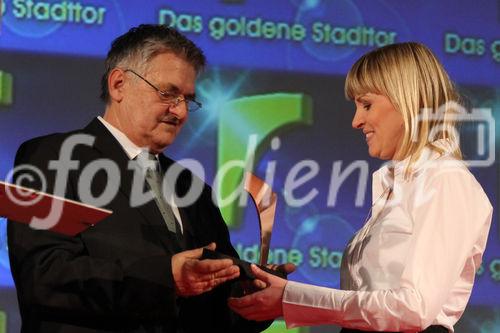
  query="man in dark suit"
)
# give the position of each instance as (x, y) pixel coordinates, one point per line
(139, 270)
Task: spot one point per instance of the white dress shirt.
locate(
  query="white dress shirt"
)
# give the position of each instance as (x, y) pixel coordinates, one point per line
(413, 263)
(132, 151)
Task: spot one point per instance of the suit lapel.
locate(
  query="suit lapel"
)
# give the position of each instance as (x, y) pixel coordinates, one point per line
(109, 148)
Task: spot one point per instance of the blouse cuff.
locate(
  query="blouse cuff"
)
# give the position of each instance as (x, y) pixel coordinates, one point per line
(307, 305)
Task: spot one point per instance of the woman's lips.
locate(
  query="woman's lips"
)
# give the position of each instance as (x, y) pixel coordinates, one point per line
(368, 136)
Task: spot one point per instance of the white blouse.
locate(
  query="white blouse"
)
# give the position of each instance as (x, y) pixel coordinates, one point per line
(413, 263)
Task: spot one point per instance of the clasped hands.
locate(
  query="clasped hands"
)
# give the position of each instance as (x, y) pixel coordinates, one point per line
(264, 304)
(193, 277)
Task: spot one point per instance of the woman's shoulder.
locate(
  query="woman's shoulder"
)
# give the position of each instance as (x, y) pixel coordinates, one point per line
(446, 173)
(443, 165)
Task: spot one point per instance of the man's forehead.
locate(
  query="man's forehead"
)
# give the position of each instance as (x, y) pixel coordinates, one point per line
(169, 58)
(171, 65)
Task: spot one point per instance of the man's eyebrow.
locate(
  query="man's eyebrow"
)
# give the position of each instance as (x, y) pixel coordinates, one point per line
(172, 88)
(190, 96)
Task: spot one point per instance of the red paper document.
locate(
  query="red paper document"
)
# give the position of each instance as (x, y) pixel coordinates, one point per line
(23, 205)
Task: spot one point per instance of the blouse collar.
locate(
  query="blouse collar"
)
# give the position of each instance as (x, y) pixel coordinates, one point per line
(394, 171)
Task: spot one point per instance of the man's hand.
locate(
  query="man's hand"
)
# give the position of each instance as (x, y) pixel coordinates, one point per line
(193, 276)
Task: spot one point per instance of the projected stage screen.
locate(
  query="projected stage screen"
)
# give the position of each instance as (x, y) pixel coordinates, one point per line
(275, 82)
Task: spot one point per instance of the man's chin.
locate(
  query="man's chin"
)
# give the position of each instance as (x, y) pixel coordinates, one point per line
(159, 143)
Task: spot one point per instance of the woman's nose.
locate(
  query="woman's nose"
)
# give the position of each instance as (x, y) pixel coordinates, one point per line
(358, 119)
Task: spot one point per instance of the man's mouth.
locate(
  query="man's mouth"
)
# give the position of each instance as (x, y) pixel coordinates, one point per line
(171, 120)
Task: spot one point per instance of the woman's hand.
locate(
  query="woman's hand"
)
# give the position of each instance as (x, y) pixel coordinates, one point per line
(264, 304)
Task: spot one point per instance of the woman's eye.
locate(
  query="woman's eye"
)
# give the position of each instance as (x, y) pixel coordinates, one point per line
(367, 106)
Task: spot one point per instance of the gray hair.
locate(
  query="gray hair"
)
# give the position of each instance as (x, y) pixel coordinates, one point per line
(140, 44)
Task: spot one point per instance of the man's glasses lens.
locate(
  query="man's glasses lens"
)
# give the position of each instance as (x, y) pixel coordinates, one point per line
(193, 105)
(170, 98)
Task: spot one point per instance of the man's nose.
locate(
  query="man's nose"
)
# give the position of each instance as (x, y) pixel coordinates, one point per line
(179, 109)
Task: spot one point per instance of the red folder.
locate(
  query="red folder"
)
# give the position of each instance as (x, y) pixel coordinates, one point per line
(23, 205)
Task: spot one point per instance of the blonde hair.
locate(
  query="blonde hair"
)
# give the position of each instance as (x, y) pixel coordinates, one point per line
(418, 87)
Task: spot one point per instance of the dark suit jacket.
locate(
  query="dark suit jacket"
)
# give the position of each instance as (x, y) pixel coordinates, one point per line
(115, 276)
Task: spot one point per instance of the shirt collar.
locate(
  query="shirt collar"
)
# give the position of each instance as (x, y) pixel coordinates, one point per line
(130, 148)
(394, 171)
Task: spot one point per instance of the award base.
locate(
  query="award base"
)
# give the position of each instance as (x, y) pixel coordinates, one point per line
(246, 273)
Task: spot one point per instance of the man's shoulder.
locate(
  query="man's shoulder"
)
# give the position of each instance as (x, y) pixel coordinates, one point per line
(46, 145)
(51, 140)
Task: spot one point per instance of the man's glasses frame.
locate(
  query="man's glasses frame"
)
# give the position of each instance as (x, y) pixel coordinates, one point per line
(169, 97)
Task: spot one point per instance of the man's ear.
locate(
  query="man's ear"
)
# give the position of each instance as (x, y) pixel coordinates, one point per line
(115, 84)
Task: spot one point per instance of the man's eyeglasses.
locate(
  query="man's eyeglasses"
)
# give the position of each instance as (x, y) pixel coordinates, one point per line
(171, 98)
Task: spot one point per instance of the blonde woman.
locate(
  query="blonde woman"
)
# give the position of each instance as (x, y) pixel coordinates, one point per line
(411, 267)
